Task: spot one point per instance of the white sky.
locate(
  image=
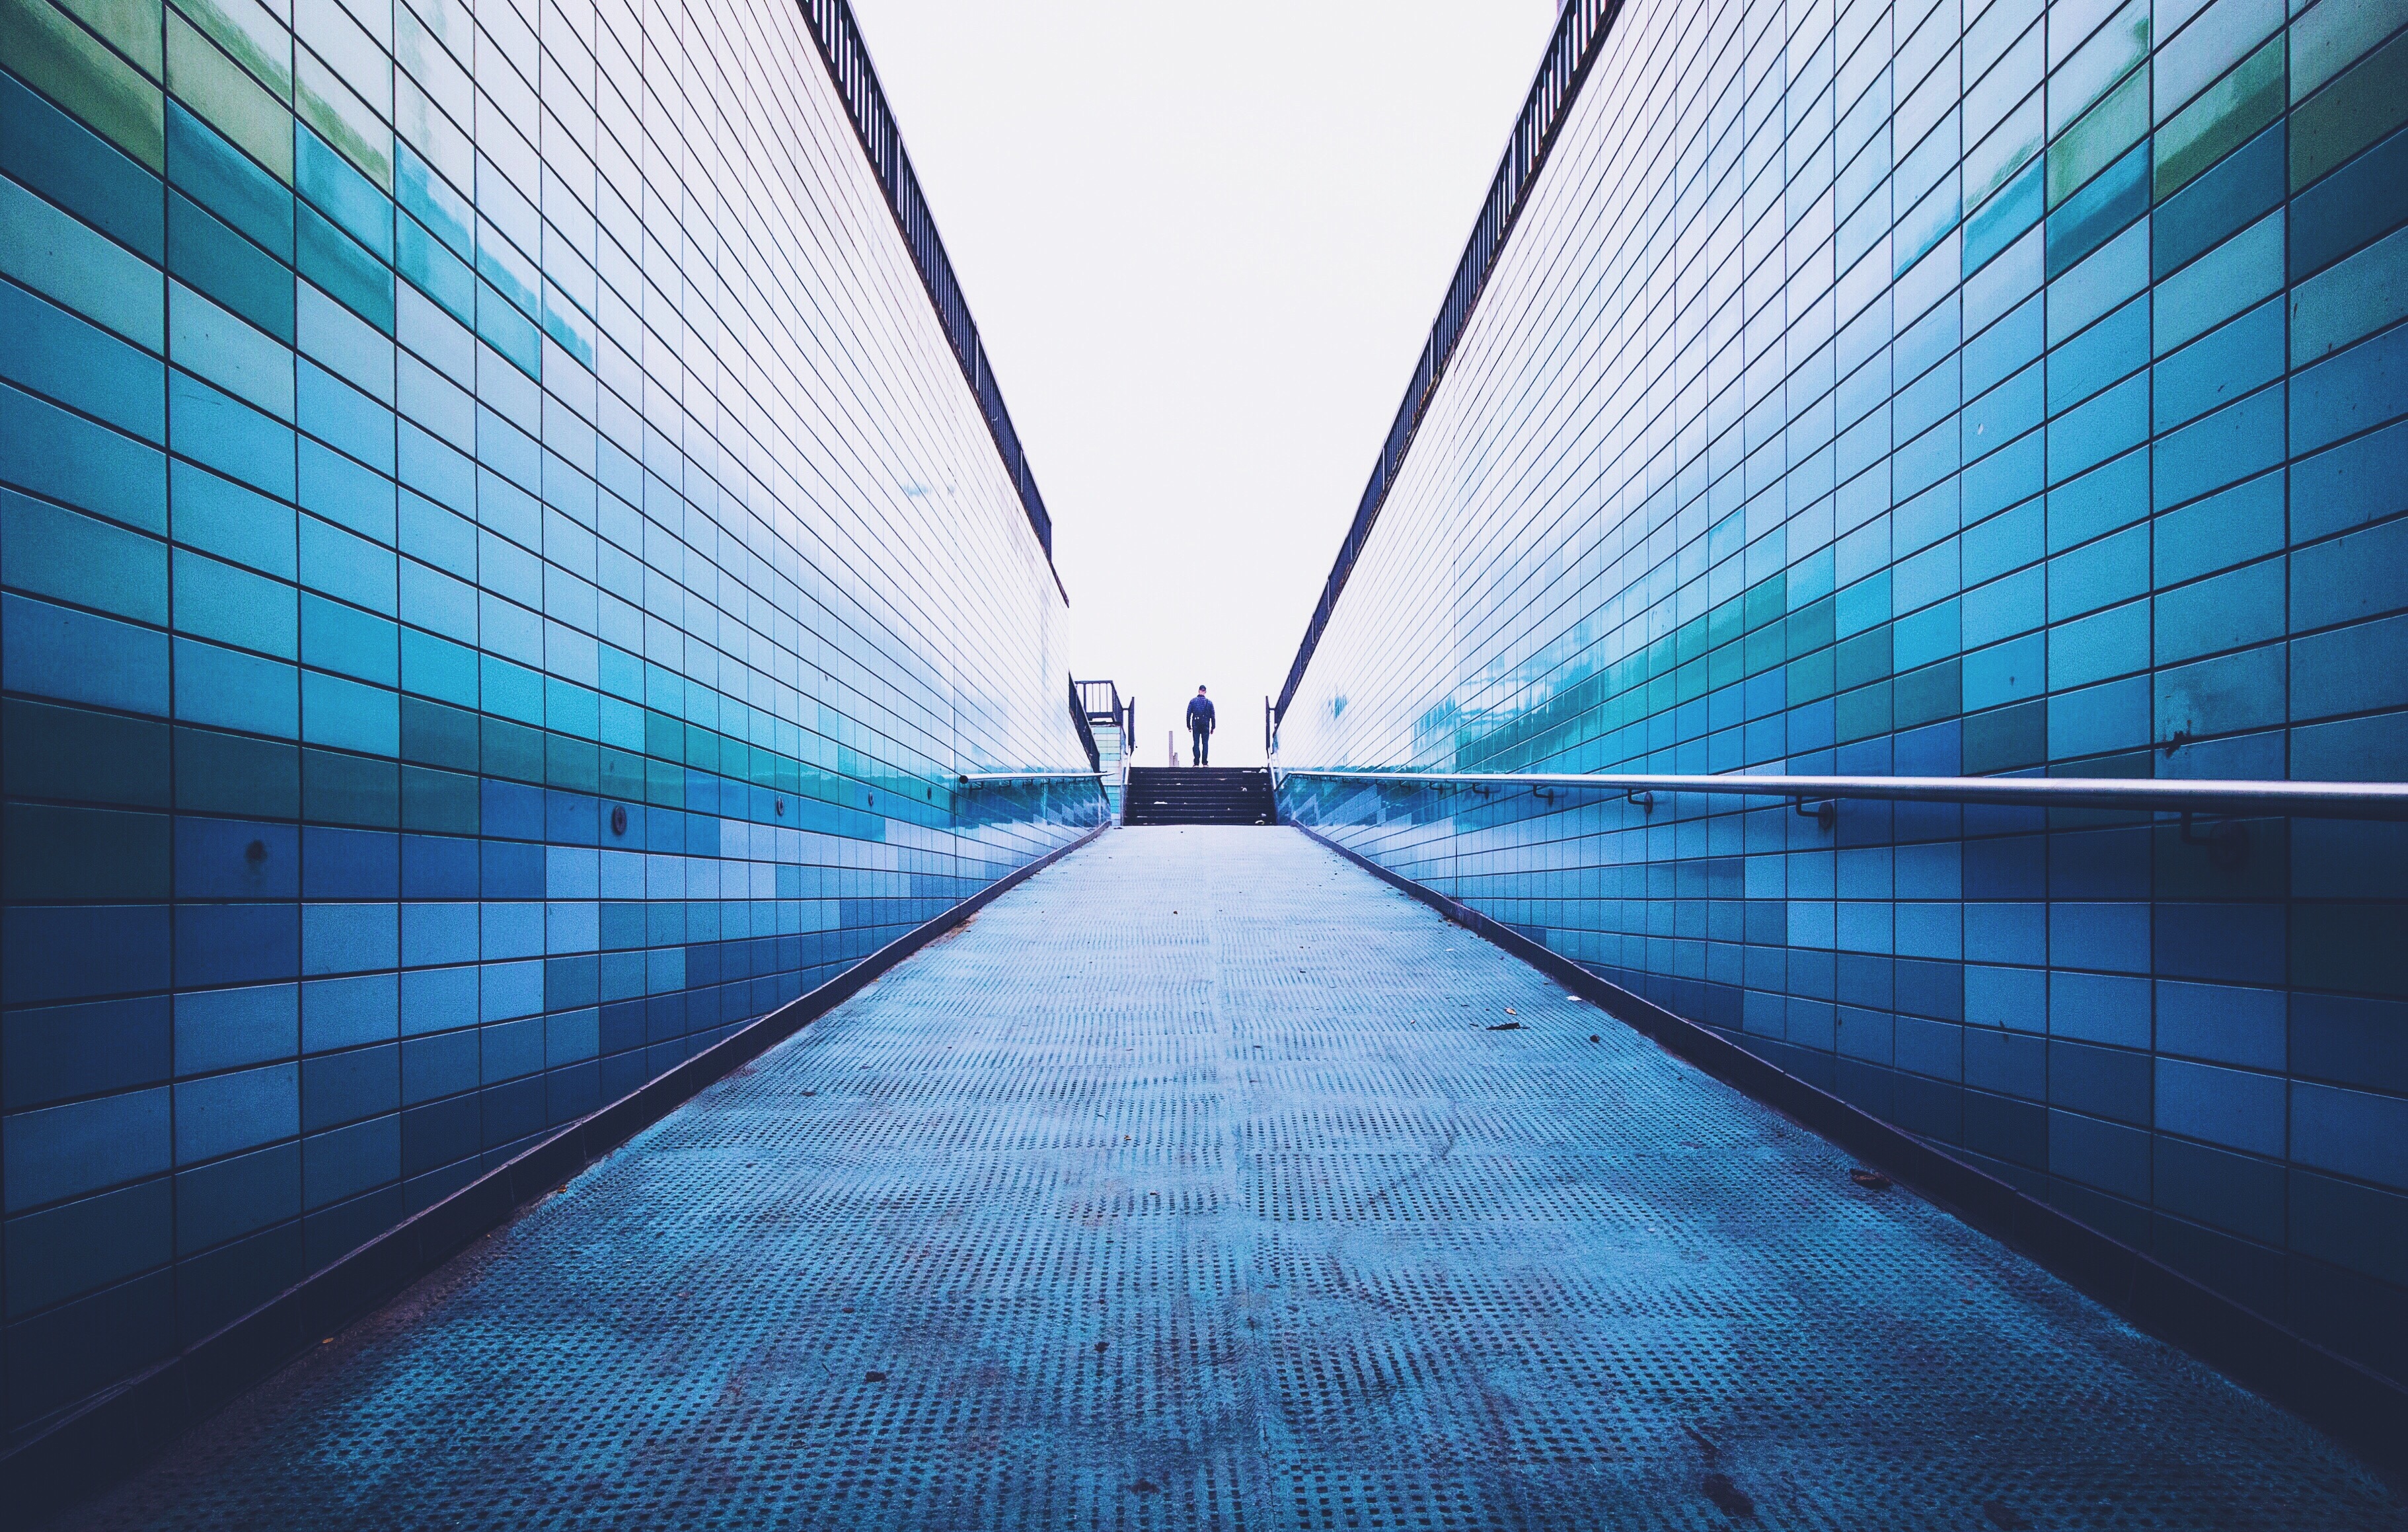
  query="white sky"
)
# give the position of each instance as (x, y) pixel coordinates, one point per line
(1204, 245)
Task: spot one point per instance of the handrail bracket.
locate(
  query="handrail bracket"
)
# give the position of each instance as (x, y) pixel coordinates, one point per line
(2227, 840)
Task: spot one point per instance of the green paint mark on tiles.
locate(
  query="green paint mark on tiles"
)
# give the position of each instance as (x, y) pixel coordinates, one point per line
(253, 36)
(130, 27)
(2229, 114)
(342, 118)
(2098, 65)
(42, 45)
(2361, 107)
(2214, 43)
(2094, 143)
(2335, 35)
(221, 94)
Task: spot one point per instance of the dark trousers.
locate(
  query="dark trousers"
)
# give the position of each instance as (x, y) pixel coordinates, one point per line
(1203, 752)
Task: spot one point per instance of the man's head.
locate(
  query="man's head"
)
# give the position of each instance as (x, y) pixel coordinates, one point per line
(1199, 691)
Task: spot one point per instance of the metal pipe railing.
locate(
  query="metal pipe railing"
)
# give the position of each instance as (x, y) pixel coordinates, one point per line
(2227, 799)
(970, 780)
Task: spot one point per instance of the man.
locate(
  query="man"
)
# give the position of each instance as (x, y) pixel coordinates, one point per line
(1199, 725)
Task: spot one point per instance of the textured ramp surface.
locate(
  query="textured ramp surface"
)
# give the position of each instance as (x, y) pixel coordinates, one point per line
(1188, 1186)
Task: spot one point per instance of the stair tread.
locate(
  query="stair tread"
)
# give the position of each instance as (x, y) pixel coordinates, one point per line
(1198, 795)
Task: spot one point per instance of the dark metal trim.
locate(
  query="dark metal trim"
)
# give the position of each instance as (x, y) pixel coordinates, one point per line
(847, 58)
(2363, 1411)
(1581, 26)
(2229, 799)
(111, 1434)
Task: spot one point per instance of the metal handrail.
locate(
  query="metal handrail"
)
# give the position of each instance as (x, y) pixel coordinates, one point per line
(847, 58)
(993, 778)
(2227, 799)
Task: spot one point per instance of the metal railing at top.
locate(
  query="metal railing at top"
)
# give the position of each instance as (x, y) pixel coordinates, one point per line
(1581, 26)
(848, 65)
(2222, 799)
(1101, 700)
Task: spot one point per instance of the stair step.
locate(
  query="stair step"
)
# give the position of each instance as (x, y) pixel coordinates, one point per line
(1198, 795)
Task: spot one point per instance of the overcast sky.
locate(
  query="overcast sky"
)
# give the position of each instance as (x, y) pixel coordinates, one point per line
(1204, 245)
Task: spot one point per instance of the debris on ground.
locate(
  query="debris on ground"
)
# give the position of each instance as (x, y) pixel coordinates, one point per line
(1871, 1180)
(1728, 1498)
(1506, 1026)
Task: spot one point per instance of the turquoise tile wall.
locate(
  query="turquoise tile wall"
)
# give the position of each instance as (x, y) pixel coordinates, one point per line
(1949, 387)
(499, 568)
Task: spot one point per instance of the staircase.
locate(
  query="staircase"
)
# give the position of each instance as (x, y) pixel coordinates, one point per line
(1198, 795)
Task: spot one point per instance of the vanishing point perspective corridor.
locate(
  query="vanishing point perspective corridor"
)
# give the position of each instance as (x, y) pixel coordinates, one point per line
(1204, 1180)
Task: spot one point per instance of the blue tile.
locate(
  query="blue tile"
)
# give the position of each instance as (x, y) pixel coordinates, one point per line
(2234, 1108)
(2355, 1133)
(219, 1114)
(229, 1028)
(2350, 1040)
(233, 944)
(2222, 1024)
(69, 1250)
(51, 151)
(2107, 1155)
(2360, 1228)
(64, 952)
(231, 1197)
(2232, 1191)
(59, 1356)
(53, 1053)
(2099, 1008)
(345, 1163)
(2099, 1082)
(59, 1152)
(2238, 943)
(218, 1286)
(441, 1134)
(2219, 204)
(2114, 937)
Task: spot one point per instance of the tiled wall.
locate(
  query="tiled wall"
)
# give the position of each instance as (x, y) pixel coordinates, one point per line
(1111, 749)
(1906, 387)
(501, 565)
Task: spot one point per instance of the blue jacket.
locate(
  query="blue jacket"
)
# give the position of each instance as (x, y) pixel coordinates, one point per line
(1199, 714)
